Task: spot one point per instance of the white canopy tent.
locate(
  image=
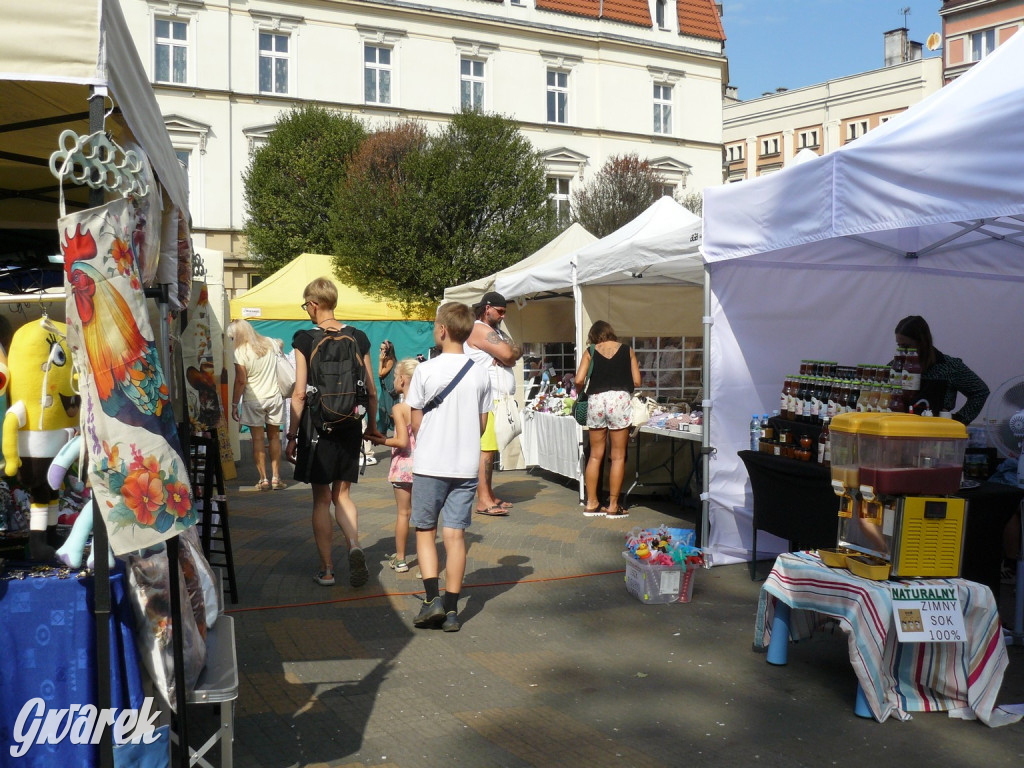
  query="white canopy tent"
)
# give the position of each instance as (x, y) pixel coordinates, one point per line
(54, 53)
(924, 215)
(549, 321)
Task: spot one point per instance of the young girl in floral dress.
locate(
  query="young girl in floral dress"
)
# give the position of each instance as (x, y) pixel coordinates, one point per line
(400, 474)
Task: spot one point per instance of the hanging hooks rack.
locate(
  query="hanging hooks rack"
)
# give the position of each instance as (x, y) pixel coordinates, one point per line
(99, 162)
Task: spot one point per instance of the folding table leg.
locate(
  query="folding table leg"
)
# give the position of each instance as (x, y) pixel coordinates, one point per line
(778, 646)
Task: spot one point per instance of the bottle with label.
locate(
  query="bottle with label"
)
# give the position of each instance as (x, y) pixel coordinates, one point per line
(755, 433)
(807, 398)
(786, 404)
(824, 444)
(767, 430)
(851, 402)
(896, 371)
(896, 404)
(911, 377)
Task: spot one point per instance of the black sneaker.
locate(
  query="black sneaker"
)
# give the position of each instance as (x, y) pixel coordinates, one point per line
(431, 614)
(451, 622)
(357, 571)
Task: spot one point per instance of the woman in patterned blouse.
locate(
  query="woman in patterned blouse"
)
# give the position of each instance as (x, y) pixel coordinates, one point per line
(942, 376)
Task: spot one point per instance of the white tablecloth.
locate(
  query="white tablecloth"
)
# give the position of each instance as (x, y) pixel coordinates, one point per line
(551, 442)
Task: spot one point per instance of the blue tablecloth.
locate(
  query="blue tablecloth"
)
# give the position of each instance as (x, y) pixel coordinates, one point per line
(48, 651)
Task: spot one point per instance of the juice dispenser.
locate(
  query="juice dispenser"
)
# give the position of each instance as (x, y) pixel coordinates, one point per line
(900, 478)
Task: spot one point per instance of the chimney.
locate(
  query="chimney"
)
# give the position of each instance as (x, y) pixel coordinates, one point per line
(897, 47)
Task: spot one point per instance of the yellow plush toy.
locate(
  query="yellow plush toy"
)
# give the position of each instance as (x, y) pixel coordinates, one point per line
(42, 417)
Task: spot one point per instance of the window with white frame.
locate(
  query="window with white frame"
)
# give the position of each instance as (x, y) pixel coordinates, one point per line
(274, 59)
(735, 153)
(668, 190)
(855, 129)
(558, 198)
(670, 366)
(558, 96)
(770, 146)
(662, 108)
(376, 74)
(471, 84)
(982, 44)
(185, 158)
(659, 13)
(807, 139)
(170, 54)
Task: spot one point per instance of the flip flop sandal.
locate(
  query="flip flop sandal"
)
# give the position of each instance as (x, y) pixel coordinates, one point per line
(595, 512)
(495, 510)
(263, 485)
(621, 513)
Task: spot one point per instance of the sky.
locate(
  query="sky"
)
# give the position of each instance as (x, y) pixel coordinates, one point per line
(794, 43)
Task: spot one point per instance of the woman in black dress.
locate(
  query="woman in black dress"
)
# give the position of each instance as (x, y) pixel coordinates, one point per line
(330, 463)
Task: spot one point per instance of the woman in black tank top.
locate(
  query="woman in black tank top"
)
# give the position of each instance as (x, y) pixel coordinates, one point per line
(614, 376)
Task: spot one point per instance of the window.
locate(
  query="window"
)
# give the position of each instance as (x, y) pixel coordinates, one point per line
(377, 74)
(472, 84)
(770, 146)
(662, 108)
(558, 198)
(185, 158)
(539, 357)
(670, 366)
(856, 129)
(807, 139)
(982, 44)
(735, 153)
(558, 96)
(668, 190)
(171, 52)
(273, 63)
(659, 13)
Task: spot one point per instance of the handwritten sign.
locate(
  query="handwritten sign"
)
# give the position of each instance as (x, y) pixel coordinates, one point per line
(928, 614)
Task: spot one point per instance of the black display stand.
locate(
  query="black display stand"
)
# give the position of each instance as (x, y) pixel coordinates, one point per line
(792, 500)
(207, 475)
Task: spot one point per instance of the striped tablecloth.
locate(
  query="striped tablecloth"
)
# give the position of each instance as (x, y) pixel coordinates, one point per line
(897, 678)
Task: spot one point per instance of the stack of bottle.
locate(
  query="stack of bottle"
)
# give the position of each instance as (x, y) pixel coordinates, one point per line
(825, 389)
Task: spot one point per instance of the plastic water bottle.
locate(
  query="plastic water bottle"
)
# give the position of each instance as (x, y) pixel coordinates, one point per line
(545, 381)
(755, 433)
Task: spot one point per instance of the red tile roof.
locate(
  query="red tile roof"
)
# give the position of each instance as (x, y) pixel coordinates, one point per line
(697, 18)
(627, 11)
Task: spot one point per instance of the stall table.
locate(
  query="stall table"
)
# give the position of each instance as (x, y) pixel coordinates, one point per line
(551, 442)
(895, 678)
(679, 440)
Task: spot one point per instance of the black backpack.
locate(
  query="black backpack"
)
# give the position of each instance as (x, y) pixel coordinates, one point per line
(337, 381)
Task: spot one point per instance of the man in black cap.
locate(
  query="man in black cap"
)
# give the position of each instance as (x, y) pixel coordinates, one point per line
(494, 350)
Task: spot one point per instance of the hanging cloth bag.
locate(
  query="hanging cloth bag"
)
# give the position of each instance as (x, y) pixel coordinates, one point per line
(579, 408)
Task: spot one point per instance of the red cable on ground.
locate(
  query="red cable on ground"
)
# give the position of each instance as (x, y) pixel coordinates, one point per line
(418, 592)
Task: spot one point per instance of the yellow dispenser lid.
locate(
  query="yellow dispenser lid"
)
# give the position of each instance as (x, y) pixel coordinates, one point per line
(900, 425)
(848, 422)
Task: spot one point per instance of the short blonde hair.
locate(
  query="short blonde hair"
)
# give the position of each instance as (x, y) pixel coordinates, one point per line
(406, 366)
(323, 292)
(457, 318)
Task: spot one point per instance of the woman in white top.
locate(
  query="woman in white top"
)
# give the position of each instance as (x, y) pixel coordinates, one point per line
(256, 398)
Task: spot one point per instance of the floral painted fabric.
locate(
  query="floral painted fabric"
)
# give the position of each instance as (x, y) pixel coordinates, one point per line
(136, 469)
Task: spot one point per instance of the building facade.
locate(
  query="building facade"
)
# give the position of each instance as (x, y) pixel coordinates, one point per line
(765, 134)
(972, 29)
(586, 79)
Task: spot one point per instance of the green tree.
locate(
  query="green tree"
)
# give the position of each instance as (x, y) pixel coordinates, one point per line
(694, 203)
(291, 183)
(419, 213)
(623, 189)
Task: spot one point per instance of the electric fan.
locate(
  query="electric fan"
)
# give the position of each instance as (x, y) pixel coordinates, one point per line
(1005, 420)
(1004, 417)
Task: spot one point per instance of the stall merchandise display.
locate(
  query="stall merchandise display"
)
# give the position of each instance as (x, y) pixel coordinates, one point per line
(661, 564)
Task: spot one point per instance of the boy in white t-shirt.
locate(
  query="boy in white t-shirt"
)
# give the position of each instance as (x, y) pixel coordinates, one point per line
(446, 462)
